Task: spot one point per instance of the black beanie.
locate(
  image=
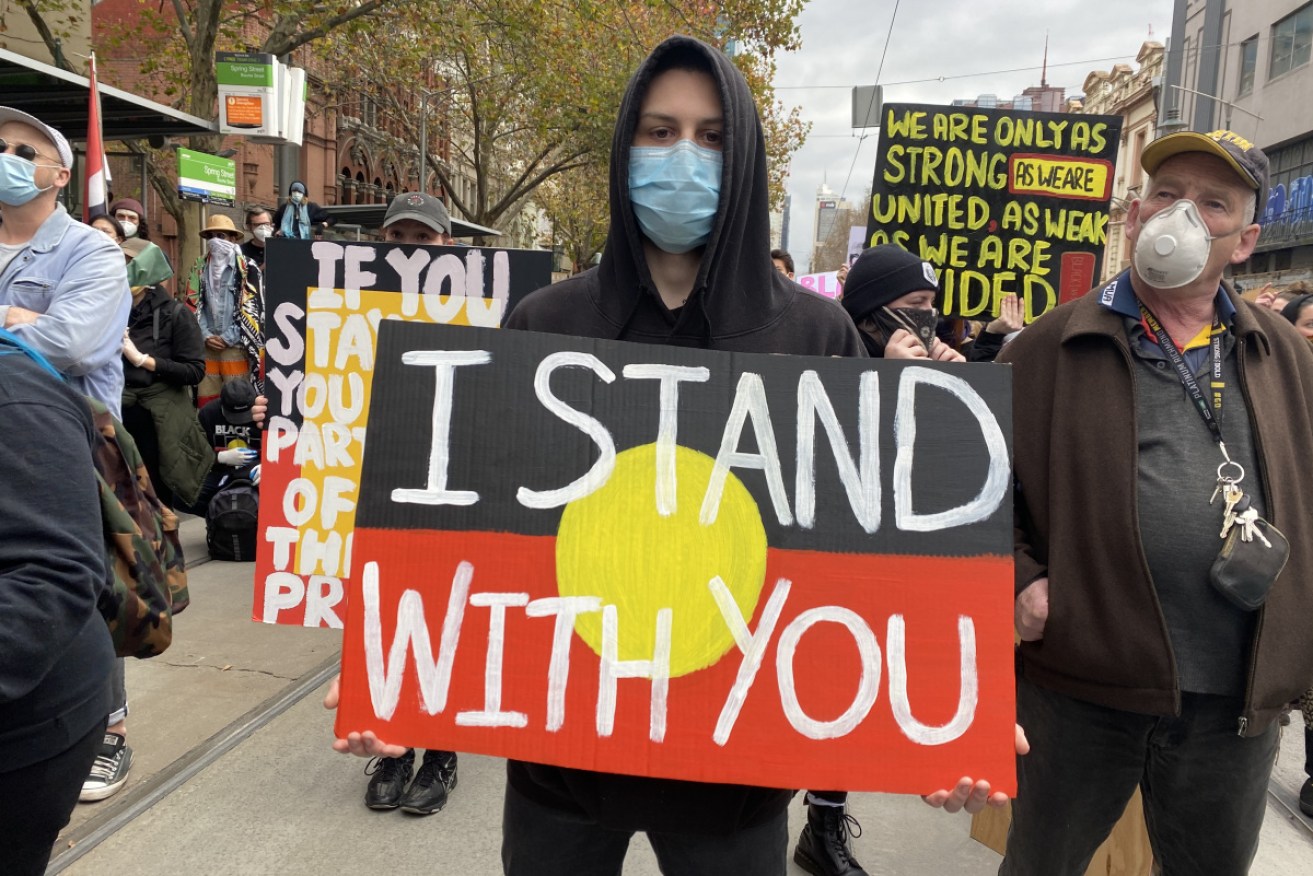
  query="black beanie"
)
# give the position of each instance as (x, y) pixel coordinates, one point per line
(882, 274)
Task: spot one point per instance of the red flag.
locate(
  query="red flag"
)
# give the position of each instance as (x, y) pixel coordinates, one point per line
(95, 199)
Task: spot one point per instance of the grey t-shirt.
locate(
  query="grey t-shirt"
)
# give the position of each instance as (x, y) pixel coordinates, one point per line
(7, 253)
(1179, 530)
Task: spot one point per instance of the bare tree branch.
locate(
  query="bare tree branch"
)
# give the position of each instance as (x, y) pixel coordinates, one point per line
(284, 37)
(47, 36)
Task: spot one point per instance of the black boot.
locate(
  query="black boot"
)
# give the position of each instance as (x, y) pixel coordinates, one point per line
(434, 781)
(1306, 792)
(823, 848)
(388, 778)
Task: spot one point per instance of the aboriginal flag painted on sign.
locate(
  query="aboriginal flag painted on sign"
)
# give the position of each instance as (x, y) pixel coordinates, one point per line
(632, 559)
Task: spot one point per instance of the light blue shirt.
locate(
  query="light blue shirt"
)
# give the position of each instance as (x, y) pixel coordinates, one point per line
(75, 277)
(217, 313)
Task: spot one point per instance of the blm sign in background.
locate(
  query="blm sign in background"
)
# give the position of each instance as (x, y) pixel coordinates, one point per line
(999, 201)
(775, 570)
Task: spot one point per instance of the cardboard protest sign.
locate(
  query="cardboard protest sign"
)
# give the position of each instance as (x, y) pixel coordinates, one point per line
(1000, 201)
(774, 570)
(324, 302)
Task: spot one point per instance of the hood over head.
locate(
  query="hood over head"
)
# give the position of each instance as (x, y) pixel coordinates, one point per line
(737, 289)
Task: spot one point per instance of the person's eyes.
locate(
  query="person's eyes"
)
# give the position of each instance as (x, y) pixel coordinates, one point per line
(713, 138)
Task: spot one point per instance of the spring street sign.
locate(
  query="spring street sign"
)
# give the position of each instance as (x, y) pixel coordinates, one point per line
(206, 178)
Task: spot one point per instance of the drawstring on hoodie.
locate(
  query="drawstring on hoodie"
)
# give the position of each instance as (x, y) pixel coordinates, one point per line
(708, 338)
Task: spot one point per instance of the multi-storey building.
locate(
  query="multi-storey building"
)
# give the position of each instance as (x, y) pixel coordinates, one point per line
(1132, 95)
(1245, 65)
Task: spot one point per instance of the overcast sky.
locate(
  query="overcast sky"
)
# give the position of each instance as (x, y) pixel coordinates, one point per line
(963, 41)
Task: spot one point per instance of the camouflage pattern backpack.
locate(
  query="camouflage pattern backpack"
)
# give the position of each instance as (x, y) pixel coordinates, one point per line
(148, 578)
(146, 575)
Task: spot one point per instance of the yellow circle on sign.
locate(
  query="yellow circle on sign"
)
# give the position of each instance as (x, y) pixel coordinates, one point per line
(613, 544)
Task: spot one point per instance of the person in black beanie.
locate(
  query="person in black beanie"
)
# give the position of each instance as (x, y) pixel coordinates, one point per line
(890, 294)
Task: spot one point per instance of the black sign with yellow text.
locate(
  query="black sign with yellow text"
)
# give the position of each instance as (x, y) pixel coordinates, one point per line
(999, 201)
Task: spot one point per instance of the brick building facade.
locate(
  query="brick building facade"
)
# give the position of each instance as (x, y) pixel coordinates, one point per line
(350, 152)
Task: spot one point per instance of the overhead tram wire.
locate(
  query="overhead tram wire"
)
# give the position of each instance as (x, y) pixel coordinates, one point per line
(878, 72)
(977, 74)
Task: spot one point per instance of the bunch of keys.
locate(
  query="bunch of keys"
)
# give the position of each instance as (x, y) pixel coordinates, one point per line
(1237, 510)
(1229, 476)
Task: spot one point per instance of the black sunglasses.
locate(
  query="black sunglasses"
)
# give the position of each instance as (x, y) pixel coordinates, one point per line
(22, 150)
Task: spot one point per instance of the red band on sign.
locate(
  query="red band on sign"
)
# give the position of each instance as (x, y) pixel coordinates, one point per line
(908, 694)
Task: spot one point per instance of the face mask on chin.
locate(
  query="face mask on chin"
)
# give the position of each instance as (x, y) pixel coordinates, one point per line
(675, 191)
(1173, 247)
(18, 181)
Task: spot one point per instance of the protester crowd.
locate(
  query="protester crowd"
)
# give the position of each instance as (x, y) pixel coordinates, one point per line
(1140, 663)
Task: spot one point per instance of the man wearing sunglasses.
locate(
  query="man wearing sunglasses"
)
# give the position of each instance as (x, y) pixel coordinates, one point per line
(63, 285)
(64, 291)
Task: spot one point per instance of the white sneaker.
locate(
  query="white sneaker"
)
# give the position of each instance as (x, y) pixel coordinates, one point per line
(110, 770)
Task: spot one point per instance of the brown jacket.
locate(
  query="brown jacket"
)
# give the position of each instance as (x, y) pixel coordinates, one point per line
(1075, 448)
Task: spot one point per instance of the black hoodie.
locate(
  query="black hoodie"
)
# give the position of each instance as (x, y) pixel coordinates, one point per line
(739, 303)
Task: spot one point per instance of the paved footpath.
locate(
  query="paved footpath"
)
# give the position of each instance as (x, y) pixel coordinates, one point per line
(234, 775)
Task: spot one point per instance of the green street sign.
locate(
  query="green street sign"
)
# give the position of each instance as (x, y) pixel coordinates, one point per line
(206, 178)
(248, 70)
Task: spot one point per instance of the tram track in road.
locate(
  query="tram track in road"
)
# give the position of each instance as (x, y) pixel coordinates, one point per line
(139, 799)
(1287, 803)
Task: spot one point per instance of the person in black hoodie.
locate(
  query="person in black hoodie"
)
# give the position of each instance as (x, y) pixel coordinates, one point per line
(55, 650)
(695, 271)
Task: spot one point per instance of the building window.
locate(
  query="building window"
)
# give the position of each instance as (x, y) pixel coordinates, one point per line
(1292, 39)
(1248, 63)
(1137, 172)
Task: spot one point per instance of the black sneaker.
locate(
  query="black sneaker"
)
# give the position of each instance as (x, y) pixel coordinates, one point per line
(389, 778)
(1306, 798)
(434, 781)
(109, 771)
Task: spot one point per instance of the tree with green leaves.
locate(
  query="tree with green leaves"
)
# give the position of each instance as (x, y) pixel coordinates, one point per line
(523, 91)
(177, 41)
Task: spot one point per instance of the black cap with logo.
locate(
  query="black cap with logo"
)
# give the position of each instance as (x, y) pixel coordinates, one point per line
(421, 207)
(1246, 159)
(236, 401)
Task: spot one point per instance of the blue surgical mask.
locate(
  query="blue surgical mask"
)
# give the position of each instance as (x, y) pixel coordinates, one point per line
(675, 191)
(18, 180)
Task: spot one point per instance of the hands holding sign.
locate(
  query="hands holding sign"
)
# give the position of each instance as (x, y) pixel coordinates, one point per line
(969, 794)
(360, 744)
(974, 796)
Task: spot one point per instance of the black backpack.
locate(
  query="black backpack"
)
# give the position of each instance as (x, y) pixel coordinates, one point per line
(232, 520)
